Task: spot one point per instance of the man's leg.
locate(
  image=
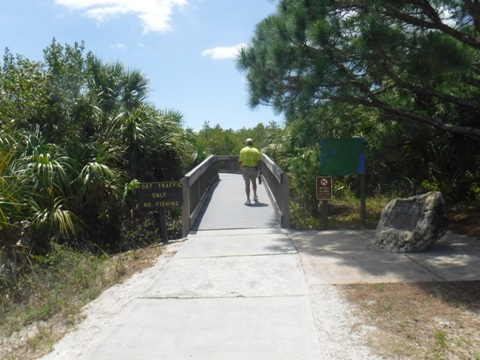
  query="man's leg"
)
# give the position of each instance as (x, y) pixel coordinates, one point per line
(247, 189)
(254, 186)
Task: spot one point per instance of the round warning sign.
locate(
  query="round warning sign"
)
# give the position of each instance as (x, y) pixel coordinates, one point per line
(324, 187)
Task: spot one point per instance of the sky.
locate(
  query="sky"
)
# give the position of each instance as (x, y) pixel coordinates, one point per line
(186, 48)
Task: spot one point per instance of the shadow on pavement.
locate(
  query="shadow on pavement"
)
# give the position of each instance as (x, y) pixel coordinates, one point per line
(257, 204)
(348, 256)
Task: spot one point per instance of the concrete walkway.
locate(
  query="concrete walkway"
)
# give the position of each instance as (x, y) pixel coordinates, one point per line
(240, 286)
(348, 257)
(235, 290)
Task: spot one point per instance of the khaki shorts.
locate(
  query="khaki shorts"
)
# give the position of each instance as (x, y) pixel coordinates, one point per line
(249, 173)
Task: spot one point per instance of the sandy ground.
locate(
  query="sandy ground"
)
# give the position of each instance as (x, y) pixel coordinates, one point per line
(340, 333)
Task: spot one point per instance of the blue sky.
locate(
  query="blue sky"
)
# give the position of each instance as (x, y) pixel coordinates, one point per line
(186, 48)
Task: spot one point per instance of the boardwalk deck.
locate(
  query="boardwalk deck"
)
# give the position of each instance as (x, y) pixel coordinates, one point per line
(225, 207)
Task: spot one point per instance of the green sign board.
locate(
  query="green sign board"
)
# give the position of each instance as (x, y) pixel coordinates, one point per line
(160, 194)
(342, 157)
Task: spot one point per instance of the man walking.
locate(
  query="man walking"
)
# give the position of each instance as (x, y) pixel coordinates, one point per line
(250, 164)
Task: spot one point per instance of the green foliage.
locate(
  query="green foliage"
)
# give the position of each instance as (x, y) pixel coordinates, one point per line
(217, 141)
(440, 340)
(303, 170)
(386, 55)
(74, 132)
(23, 91)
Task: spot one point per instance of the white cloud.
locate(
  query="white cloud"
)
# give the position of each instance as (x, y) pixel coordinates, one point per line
(154, 14)
(118, 46)
(221, 53)
(143, 47)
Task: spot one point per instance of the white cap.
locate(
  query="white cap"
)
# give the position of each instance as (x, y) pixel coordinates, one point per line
(249, 141)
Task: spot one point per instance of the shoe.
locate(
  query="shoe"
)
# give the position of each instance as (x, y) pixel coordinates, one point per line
(255, 198)
(248, 202)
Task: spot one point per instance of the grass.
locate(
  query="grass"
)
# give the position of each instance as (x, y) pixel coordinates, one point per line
(344, 211)
(39, 307)
(420, 320)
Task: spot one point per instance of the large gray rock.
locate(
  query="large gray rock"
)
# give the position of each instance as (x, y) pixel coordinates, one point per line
(412, 224)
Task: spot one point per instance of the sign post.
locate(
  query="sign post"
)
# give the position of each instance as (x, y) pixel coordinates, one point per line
(345, 157)
(159, 196)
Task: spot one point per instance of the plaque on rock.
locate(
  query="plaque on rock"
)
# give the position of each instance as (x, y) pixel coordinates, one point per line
(405, 215)
(412, 224)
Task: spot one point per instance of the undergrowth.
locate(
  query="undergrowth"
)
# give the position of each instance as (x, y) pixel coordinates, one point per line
(50, 293)
(344, 211)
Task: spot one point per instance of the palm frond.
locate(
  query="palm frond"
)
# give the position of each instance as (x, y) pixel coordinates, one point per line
(57, 221)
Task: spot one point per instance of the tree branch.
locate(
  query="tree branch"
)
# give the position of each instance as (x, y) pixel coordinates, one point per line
(436, 23)
(372, 101)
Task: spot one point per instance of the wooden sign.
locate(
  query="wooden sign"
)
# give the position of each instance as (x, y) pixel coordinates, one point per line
(163, 194)
(324, 188)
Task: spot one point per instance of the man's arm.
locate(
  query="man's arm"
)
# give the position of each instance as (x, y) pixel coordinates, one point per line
(259, 166)
(259, 163)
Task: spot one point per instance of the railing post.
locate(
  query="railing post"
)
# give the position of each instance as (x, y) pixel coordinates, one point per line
(363, 201)
(186, 206)
(285, 200)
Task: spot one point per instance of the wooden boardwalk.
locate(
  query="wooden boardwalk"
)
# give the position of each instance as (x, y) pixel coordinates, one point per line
(225, 208)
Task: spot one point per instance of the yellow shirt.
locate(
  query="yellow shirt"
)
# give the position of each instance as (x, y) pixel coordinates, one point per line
(250, 156)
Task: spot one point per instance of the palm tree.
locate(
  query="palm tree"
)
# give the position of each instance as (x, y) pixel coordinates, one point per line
(75, 151)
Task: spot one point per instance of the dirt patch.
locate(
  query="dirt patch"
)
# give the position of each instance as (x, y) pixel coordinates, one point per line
(466, 223)
(420, 320)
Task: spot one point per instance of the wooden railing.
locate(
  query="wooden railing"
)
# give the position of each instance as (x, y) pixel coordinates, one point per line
(228, 163)
(197, 183)
(195, 187)
(277, 184)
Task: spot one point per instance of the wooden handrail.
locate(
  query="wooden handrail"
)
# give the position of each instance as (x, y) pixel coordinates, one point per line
(198, 181)
(196, 184)
(277, 184)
